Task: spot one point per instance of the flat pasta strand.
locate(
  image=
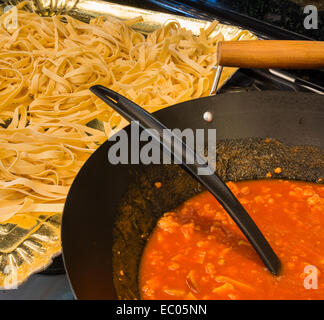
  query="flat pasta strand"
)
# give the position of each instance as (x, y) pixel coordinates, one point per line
(47, 65)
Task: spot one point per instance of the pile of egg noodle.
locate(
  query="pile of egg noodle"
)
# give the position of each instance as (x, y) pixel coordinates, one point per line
(47, 65)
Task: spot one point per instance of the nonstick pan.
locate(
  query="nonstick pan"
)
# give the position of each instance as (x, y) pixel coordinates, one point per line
(112, 209)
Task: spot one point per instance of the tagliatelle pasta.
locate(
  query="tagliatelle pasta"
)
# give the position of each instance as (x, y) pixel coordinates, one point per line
(48, 64)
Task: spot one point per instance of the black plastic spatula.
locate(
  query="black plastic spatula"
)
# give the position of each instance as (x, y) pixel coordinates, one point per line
(212, 182)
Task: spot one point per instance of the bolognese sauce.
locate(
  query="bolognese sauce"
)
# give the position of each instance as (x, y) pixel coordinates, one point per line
(198, 252)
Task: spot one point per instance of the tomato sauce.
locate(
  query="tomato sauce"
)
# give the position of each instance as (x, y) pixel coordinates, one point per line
(197, 252)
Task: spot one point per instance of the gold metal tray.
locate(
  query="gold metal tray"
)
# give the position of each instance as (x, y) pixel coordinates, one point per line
(29, 242)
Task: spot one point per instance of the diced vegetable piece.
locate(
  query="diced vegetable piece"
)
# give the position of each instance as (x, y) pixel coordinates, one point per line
(238, 284)
(223, 288)
(175, 292)
(191, 281)
(190, 296)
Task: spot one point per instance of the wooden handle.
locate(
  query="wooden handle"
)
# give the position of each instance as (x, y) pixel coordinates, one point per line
(283, 54)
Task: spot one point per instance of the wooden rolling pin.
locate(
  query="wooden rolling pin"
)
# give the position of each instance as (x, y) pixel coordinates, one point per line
(284, 54)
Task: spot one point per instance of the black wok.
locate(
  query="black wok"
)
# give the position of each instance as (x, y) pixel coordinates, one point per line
(112, 209)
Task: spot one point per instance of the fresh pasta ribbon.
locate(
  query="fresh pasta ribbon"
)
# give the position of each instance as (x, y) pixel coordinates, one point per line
(48, 64)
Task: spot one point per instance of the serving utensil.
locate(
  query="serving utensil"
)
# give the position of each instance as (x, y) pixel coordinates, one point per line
(132, 112)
